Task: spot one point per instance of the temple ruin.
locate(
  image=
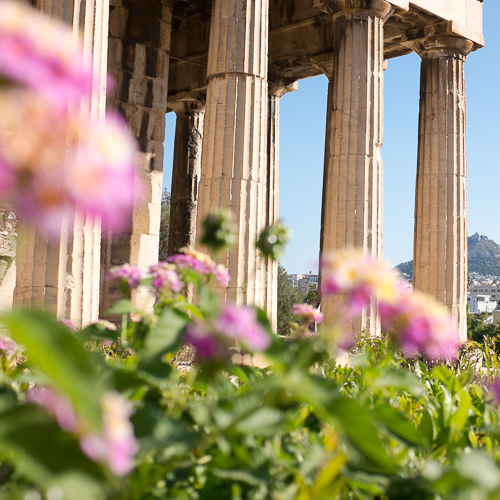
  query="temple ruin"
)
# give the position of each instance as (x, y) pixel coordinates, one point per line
(222, 66)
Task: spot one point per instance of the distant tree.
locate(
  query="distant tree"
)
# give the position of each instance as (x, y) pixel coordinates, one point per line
(311, 296)
(287, 296)
(164, 225)
(477, 329)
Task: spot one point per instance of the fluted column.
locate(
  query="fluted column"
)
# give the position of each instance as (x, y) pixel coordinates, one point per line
(139, 55)
(352, 184)
(277, 89)
(234, 140)
(440, 243)
(63, 276)
(190, 111)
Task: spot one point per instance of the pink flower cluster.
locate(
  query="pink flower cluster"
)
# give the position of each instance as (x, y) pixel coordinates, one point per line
(201, 263)
(54, 162)
(8, 347)
(128, 276)
(234, 324)
(416, 322)
(166, 278)
(115, 444)
(307, 314)
(41, 54)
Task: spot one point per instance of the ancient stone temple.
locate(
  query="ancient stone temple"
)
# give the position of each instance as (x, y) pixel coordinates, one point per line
(222, 66)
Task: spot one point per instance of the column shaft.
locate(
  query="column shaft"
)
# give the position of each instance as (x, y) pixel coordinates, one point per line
(63, 276)
(276, 92)
(440, 243)
(186, 171)
(234, 141)
(139, 54)
(352, 184)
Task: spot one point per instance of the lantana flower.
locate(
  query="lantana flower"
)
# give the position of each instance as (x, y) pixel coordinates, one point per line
(115, 445)
(128, 276)
(53, 163)
(234, 325)
(307, 313)
(42, 54)
(200, 262)
(166, 278)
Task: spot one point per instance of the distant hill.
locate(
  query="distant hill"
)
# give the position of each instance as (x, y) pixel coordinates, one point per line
(484, 257)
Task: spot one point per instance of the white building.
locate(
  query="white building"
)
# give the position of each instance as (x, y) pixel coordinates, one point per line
(479, 303)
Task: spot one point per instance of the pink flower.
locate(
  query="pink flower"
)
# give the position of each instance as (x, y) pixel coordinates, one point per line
(68, 324)
(116, 444)
(201, 263)
(8, 346)
(307, 313)
(53, 163)
(129, 276)
(205, 343)
(57, 405)
(419, 324)
(240, 323)
(166, 278)
(42, 54)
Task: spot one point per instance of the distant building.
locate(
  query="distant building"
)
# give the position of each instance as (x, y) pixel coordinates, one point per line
(302, 281)
(479, 303)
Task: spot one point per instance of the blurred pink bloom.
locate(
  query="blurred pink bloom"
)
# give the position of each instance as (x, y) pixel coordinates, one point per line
(240, 323)
(166, 278)
(307, 313)
(8, 346)
(53, 163)
(68, 324)
(57, 405)
(42, 54)
(420, 325)
(200, 262)
(495, 389)
(116, 445)
(205, 343)
(128, 275)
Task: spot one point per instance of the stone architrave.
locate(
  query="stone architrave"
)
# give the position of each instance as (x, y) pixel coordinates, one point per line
(277, 88)
(352, 185)
(234, 165)
(190, 111)
(440, 243)
(139, 55)
(63, 276)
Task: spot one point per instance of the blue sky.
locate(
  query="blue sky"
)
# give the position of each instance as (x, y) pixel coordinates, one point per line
(302, 140)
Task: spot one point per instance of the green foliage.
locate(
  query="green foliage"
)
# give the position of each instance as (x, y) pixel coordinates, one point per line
(485, 266)
(287, 296)
(311, 297)
(406, 268)
(164, 226)
(273, 239)
(477, 329)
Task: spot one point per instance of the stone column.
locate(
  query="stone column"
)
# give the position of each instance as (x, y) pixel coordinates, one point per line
(63, 276)
(277, 89)
(139, 54)
(186, 171)
(440, 243)
(234, 161)
(352, 183)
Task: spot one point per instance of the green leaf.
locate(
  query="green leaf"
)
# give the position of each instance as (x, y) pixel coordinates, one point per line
(399, 379)
(427, 427)
(464, 403)
(161, 339)
(54, 350)
(398, 424)
(123, 306)
(240, 476)
(208, 302)
(40, 448)
(262, 422)
(360, 431)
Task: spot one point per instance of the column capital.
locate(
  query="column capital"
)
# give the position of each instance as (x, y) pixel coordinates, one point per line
(187, 102)
(354, 8)
(278, 87)
(443, 46)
